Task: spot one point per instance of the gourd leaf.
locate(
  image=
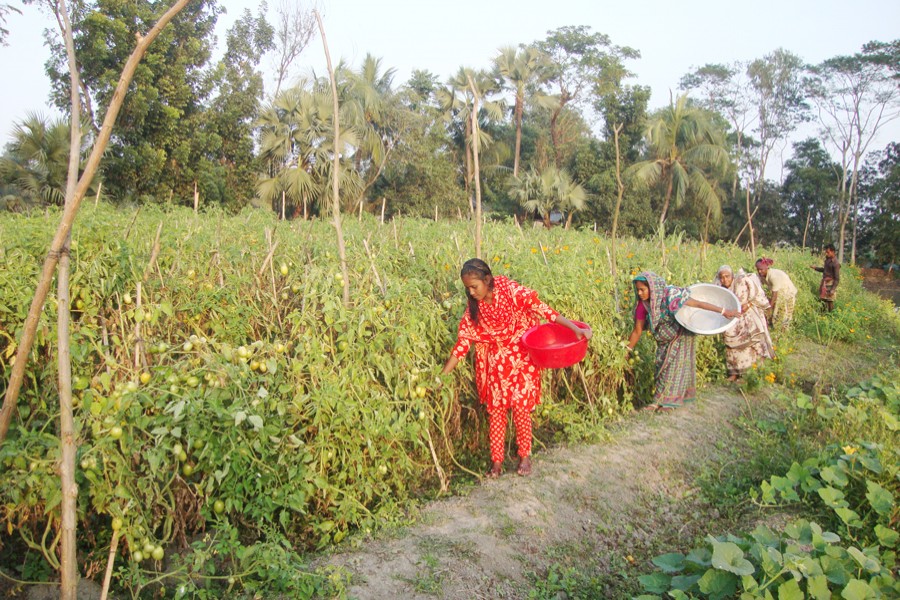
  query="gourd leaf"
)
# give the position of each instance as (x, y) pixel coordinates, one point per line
(728, 557)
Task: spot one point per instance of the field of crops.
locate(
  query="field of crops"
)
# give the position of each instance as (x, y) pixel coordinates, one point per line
(231, 409)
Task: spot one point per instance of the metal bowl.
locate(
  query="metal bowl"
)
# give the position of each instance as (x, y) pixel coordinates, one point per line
(705, 322)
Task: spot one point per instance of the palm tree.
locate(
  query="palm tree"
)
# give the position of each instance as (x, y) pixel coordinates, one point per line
(296, 144)
(456, 102)
(686, 153)
(542, 192)
(521, 69)
(36, 162)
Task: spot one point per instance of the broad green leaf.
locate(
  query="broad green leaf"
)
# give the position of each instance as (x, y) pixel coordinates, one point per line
(765, 536)
(670, 563)
(817, 588)
(728, 557)
(835, 570)
(890, 421)
(858, 590)
(256, 421)
(699, 556)
(834, 476)
(886, 537)
(684, 582)
(848, 516)
(880, 499)
(718, 584)
(832, 498)
(871, 462)
(866, 562)
(658, 583)
(790, 590)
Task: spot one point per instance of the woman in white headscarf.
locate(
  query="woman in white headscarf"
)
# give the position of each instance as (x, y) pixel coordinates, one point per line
(747, 343)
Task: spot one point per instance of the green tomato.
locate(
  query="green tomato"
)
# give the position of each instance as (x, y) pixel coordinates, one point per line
(158, 553)
(115, 432)
(137, 556)
(116, 524)
(218, 507)
(187, 469)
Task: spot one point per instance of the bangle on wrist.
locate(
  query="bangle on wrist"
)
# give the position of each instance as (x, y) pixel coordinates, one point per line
(723, 310)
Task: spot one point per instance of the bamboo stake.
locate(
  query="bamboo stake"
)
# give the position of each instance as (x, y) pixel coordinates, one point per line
(154, 254)
(196, 198)
(335, 167)
(113, 545)
(97, 197)
(374, 270)
(383, 202)
(138, 342)
(262, 269)
(68, 218)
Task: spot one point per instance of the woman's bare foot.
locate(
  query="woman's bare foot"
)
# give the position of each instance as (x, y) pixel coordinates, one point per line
(495, 471)
(732, 378)
(524, 469)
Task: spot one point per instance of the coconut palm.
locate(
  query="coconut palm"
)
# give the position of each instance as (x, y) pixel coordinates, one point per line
(456, 102)
(686, 153)
(521, 69)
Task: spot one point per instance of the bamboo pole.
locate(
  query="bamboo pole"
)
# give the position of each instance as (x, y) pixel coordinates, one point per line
(68, 218)
(68, 566)
(475, 139)
(336, 163)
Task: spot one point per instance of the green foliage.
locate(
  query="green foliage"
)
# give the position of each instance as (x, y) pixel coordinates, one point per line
(851, 485)
(264, 415)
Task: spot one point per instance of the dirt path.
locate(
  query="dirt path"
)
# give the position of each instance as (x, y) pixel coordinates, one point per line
(597, 503)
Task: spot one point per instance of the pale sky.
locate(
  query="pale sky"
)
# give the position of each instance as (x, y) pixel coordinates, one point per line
(442, 36)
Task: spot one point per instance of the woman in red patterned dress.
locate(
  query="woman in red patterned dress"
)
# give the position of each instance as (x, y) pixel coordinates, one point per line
(499, 312)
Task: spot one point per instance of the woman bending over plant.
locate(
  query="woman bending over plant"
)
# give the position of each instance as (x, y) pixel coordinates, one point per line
(499, 311)
(676, 354)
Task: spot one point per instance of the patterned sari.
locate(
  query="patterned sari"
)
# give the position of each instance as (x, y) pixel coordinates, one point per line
(748, 342)
(676, 354)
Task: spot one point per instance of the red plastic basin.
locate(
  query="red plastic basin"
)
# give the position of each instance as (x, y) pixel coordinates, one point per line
(554, 346)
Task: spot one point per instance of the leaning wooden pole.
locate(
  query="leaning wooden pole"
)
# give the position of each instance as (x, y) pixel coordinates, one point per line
(68, 218)
(335, 167)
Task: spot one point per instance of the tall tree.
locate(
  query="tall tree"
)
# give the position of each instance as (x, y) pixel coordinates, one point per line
(810, 192)
(581, 61)
(778, 98)
(295, 28)
(522, 70)
(229, 170)
(725, 89)
(457, 102)
(161, 135)
(5, 9)
(856, 96)
(686, 155)
(879, 191)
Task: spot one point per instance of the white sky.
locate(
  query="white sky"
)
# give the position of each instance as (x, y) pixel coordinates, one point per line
(442, 36)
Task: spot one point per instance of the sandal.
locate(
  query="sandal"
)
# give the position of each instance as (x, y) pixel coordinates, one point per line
(495, 471)
(524, 469)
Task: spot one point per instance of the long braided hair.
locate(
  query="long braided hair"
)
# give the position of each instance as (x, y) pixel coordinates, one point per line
(481, 271)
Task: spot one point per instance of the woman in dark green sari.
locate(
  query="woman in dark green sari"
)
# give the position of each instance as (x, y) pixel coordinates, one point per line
(676, 355)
